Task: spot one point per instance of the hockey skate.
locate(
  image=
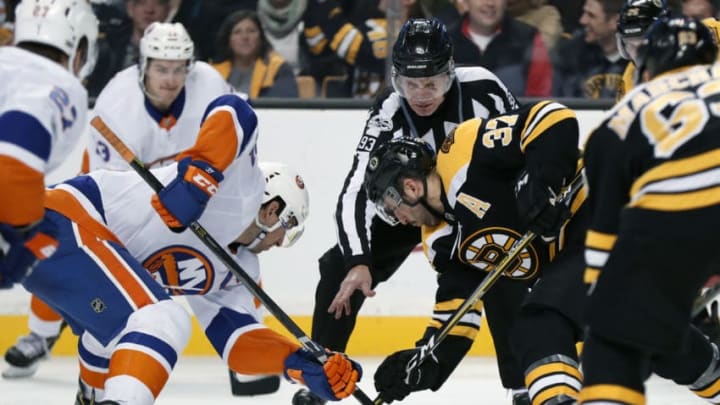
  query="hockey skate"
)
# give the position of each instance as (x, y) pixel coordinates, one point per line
(24, 357)
(305, 397)
(521, 398)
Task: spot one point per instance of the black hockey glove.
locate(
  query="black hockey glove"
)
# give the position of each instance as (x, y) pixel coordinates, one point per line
(399, 375)
(538, 205)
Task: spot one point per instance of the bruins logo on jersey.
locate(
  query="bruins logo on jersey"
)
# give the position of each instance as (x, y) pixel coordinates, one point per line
(183, 270)
(485, 249)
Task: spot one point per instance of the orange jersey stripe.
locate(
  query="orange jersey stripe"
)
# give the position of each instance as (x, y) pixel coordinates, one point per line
(260, 351)
(217, 142)
(140, 365)
(120, 270)
(92, 378)
(85, 165)
(65, 203)
(43, 311)
(23, 191)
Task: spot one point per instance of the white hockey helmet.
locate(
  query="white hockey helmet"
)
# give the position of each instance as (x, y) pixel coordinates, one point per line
(280, 17)
(166, 41)
(62, 24)
(283, 182)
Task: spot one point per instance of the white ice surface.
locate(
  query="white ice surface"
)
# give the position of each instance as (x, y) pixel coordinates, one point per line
(204, 380)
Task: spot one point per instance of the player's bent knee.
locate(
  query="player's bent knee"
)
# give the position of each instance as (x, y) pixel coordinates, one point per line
(166, 320)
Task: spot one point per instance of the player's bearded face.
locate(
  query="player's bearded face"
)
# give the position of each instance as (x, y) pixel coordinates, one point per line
(164, 80)
(406, 211)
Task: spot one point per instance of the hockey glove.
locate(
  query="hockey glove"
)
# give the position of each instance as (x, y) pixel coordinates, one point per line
(399, 375)
(24, 250)
(538, 204)
(331, 381)
(184, 199)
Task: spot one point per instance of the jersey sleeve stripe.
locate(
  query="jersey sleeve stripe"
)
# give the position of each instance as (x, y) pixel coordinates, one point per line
(227, 129)
(25, 131)
(23, 156)
(550, 116)
(242, 114)
(23, 193)
(260, 351)
(67, 202)
(351, 208)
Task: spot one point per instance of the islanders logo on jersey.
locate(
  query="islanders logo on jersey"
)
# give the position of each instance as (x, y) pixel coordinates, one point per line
(486, 248)
(182, 270)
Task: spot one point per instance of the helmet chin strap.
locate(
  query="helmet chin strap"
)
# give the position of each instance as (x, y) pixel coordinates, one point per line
(423, 201)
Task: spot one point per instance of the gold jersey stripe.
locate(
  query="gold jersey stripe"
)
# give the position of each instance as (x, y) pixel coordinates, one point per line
(599, 240)
(547, 121)
(552, 368)
(610, 392)
(591, 275)
(531, 115)
(340, 36)
(463, 331)
(677, 168)
(680, 201)
(552, 392)
(710, 391)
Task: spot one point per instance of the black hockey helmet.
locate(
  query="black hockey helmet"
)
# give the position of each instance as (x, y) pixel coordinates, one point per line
(673, 42)
(399, 157)
(635, 18)
(423, 48)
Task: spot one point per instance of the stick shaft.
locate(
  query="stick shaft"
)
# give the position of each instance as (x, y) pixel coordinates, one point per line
(202, 234)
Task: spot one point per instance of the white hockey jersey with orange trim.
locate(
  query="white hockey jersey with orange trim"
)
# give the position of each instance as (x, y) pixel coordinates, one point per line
(181, 262)
(43, 113)
(155, 138)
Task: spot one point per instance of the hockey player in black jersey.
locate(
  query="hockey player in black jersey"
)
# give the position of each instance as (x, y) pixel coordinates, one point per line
(492, 180)
(431, 98)
(654, 193)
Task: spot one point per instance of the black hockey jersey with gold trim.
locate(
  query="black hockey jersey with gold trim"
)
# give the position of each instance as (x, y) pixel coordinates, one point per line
(658, 150)
(479, 164)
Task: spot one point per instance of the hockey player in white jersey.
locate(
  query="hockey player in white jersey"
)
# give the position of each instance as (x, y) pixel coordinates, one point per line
(156, 107)
(109, 232)
(43, 113)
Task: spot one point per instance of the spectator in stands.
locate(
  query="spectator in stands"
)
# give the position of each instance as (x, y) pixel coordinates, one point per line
(345, 45)
(588, 64)
(280, 20)
(118, 43)
(544, 17)
(570, 12)
(248, 61)
(489, 37)
(6, 21)
(202, 20)
(700, 9)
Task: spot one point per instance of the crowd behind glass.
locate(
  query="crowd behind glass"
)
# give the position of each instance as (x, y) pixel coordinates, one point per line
(338, 48)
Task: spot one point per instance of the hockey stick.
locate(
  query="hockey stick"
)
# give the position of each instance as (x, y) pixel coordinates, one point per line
(490, 279)
(308, 344)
